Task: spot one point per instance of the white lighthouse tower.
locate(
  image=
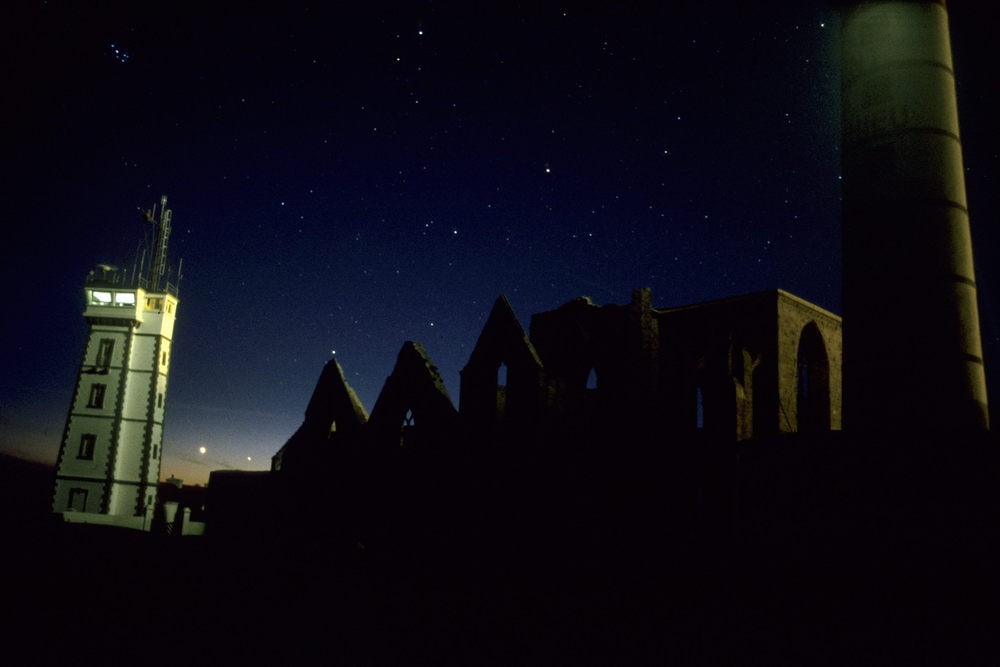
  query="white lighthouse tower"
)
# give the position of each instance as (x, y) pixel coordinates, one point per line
(109, 459)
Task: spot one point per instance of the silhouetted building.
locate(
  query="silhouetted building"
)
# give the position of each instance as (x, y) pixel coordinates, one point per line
(598, 401)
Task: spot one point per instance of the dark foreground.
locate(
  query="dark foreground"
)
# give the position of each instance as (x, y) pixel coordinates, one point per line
(885, 563)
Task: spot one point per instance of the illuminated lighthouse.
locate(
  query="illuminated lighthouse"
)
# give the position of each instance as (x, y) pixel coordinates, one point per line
(912, 349)
(109, 459)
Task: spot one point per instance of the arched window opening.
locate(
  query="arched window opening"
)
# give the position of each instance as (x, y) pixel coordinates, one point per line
(812, 390)
(501, 396)
(333, 429)
(406, 429)
(699, 413)
(592, 379)
(762, 422)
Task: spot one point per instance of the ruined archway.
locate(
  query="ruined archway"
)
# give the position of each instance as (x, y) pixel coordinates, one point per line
(812, 391)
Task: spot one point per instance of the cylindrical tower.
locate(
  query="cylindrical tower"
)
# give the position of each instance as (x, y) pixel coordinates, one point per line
(912, 348)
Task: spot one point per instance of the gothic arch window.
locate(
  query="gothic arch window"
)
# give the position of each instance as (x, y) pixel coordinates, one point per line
(592, 379)
(762, 423)
(694, 401)
(501, 395)
(406, 429)
(812, 389)
(699, 410)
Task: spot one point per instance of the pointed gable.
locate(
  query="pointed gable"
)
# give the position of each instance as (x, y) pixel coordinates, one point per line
(334, 400)
(504, 373)
(414, 406)
(503, 339)
(334, 413)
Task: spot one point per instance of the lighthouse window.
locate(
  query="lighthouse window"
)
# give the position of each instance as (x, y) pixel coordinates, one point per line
(77, 500)
(107, 346)
(96, 396)
(124, 299)
(87, 441)
(159, 400)
(100, 298)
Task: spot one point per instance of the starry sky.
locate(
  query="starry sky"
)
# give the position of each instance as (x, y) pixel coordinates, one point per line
(348, 176)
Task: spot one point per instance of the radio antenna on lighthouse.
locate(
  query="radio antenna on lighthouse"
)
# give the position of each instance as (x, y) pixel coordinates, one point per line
(158, 262)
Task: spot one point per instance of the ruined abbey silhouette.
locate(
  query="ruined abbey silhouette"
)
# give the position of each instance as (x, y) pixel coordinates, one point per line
(697, 417)
(750, 473)
(597, 399)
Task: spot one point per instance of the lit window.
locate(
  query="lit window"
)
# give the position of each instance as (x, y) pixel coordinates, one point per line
(100, 298)
(124, 298)
(154, 303)
(96, 396)
(87, 441)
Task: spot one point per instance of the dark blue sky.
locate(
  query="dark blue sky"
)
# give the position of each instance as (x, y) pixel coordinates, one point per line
(347, 178)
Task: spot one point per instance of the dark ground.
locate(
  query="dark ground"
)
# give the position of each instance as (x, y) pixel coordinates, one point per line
(871, 579)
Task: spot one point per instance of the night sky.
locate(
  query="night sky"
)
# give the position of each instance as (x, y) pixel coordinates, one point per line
(344, 178)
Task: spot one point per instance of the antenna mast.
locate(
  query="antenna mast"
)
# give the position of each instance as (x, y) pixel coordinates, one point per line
(158, 265)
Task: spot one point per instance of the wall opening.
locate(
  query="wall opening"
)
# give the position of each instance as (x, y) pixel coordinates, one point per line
(812, 391)
(104, 352)
(760, 423)
(77, 500)
(699, 410)
(406, 432)
(501, 395)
